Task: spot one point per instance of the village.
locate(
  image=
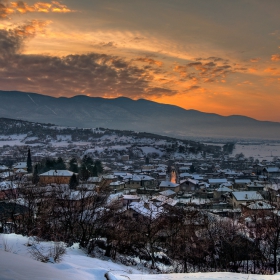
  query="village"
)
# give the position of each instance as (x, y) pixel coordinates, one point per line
(224, 185)
(144, 184)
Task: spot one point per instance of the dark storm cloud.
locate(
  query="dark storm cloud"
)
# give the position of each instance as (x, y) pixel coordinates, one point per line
(93, 74)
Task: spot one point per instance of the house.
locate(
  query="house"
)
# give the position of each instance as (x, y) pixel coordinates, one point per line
(129, 198)
(255, 186)
(140, 181)
(74, 199)
(237, 198)
(184, 169)
(221, 191)
(56, 176)
(7, 175)
(161, 176)
(8, 190)
(185, 175)
(3, 168)
(117, 186)
(20, 165)
(215, 183)
(168, 193)
(273, 191)
(271, 172)
(166, 185)
(20, 172)
(145, 210)
(254, 207)
(241, 183)
(192, 185)
(162, 200)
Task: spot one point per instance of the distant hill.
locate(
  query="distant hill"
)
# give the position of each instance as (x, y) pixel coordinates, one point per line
(127, 114)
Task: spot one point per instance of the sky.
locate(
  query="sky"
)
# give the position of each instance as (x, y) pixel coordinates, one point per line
(218, 56)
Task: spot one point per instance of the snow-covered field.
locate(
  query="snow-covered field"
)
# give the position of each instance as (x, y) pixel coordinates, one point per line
(261, 152)
(16, 264)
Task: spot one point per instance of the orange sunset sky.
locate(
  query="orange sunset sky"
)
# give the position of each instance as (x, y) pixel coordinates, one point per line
(219, 56)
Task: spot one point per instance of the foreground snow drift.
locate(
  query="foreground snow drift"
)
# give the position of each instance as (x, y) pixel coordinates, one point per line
(16, 264)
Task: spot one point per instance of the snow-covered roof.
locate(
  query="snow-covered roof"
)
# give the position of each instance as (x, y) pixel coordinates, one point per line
(3, 168)
(197, 177)
(167, 192)
(20, 165)
(94, 179)
(109, 177)
(21, 171)
(217, 181)
(260, 205)
(147, 209)
(242, 181)
(227, 184)
(272, 169)
(184, 168)
(63, 173)
(275, 187)
(117, 183)
(255, 185)
(165, 200)
(223, 189)
(168, 184)
(6, 174)
(192, 181)
(121, 174)
(182, 175)
(139, 178)
(247, 195)
(130, 197)
(77, 195)
(6, 185)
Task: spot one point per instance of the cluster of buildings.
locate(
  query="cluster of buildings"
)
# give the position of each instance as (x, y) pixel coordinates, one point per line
(201, 183)
(154, 170)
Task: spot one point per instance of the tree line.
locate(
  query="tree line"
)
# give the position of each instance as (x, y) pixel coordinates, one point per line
(185, 239)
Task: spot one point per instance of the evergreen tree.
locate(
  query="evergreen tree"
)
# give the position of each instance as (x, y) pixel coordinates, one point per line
(94, 172)
(87, 160)
(35, 178)
(29, 162)
(84, 173)
(49, 165)
(73, 165)
(192, 169)
(59, 164)
(147, 160)
(98, 167)
(73, 183)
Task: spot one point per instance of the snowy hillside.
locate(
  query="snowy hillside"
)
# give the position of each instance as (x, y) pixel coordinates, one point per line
(16, 263)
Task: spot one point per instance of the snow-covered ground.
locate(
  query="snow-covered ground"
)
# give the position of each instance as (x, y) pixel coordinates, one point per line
(265, 151)
(149, 150)
(16, 263)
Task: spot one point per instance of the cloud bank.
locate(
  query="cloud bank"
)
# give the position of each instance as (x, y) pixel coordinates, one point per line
(91, 74)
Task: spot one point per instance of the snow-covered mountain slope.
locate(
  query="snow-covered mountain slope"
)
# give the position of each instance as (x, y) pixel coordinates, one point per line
(125, 113)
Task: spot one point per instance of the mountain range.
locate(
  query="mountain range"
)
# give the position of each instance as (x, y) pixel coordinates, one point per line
(127, 114)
